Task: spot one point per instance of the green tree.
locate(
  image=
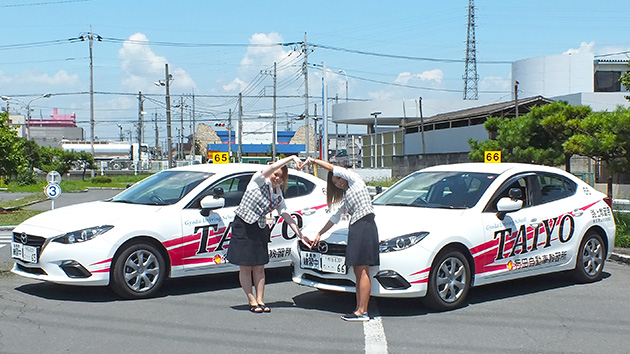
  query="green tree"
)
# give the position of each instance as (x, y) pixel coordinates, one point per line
(62, 161)
(535, 137)
(11, 148)
(625, 81)
(606, 136)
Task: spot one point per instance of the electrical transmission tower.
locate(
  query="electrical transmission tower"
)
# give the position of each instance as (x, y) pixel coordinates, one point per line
(470, 77)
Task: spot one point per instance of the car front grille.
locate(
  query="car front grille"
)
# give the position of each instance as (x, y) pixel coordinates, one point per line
(329, 281)
(332, 249)
(35, 241)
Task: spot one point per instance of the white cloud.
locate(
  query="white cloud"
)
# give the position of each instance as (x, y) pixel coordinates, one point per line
(260, 55)
(584, 48)
(407, 78)
(495, 83)
(142, 67)
(37, 78)
(235, 86)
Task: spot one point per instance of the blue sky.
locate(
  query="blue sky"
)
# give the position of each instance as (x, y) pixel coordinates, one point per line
(216, 49)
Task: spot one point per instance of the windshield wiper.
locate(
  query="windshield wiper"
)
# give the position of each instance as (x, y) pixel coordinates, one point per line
(123, 201)
(396, 204)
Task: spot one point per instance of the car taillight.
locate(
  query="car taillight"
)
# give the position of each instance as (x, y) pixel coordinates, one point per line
(608, 201)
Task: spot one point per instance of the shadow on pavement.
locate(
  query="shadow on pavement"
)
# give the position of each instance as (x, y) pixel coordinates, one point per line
(172, 287)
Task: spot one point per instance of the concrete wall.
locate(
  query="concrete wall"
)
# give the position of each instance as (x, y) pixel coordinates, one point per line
(453, 140)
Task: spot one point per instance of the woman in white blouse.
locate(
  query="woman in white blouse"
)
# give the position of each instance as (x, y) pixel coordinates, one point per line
(250, 232)
(348, 189)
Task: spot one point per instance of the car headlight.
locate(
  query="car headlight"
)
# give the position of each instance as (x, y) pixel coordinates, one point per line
(82, 235)
(401, 242)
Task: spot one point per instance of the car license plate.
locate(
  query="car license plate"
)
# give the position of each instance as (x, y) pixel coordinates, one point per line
(24, 252)
(323, 262)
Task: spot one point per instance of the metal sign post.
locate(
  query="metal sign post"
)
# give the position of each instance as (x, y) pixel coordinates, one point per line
(53, 190)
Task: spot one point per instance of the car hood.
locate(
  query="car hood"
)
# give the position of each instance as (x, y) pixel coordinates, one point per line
(393, 221)
(79, 216)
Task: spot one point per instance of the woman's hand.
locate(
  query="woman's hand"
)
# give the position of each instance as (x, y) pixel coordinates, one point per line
(315, 241)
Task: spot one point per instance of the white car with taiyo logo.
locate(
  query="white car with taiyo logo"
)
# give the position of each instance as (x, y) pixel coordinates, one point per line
(445, 229)
(174, 223)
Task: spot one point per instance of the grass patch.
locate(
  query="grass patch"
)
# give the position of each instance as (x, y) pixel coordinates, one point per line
(35, 197)
(17, 217)
(70, 185)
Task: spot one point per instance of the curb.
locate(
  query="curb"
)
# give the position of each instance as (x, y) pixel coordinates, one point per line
(620, 258)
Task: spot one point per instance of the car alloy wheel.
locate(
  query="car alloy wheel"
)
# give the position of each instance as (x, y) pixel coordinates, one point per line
(138, 271)
(591, 258)
(449, 281)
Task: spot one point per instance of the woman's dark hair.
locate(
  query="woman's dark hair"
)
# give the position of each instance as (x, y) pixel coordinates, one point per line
(333, 194)
(285, 177)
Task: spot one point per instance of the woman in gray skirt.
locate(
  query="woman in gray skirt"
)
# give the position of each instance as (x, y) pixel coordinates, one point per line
(347, 187)
(250, 233)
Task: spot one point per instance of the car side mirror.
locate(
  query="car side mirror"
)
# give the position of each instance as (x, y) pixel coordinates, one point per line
(209, 203)
(506, 205)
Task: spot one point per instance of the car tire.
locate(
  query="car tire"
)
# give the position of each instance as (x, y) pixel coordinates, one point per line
(449, 281)
(138, 271)
(590, 258)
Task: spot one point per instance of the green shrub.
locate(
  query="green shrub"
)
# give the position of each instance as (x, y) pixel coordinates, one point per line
(26, 177)
(101, 179)
(622, 238)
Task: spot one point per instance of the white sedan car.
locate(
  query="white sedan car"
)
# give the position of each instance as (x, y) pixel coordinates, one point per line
(174, 223)
(447, 228)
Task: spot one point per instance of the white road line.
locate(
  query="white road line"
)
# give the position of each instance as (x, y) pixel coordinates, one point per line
(375, 341)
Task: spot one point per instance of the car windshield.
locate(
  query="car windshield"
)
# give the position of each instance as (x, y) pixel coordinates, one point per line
(451, 190)
(163, 188)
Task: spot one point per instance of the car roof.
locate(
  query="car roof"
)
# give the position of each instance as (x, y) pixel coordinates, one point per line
(498, 168)
(228, 168)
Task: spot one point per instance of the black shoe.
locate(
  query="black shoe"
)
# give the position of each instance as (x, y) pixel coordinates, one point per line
(352, 317)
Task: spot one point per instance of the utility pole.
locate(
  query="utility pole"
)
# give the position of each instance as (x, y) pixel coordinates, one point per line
(324, 144)
(169, 137)
(230, 135)
(274, 135)
(240, 127)
(157, 136)
(274, 140)
(193, 149)
(91, 39)
(140, 116)
(305, 72)
(516, 97)
(181, 116)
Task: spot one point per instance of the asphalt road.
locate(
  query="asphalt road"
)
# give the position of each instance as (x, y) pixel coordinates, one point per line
(546, 314)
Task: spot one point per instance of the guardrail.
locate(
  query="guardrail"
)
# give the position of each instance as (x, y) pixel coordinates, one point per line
(621, 205)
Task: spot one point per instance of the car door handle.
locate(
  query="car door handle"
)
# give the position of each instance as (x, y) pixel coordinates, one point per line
(308, 211)
(578, 212)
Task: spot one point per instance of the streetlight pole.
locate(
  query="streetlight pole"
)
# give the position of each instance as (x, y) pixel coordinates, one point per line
(375, 114)
(28, 111)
